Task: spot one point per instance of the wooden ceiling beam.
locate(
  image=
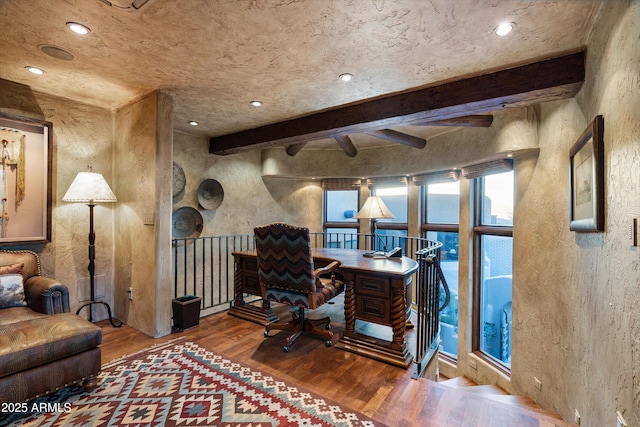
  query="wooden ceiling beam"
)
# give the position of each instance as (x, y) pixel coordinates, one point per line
(542, 81)
(294, 149)
(399, 137)
(347, 145)
(477, 120)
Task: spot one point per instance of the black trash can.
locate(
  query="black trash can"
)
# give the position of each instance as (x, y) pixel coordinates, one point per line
(186, 312)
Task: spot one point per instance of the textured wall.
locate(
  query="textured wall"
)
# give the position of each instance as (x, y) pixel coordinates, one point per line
(81, 137)
(249, 200)
(588, 283)
(142, 161)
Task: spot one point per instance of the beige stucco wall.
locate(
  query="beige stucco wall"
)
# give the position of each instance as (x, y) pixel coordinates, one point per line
(81, 137)
(249, 200)
(142, 162)
(576, 299)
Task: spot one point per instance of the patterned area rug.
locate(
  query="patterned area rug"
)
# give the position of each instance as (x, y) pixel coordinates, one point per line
(182, 384)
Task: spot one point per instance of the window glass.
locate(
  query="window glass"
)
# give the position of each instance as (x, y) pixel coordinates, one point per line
(443, 203)
(341, 205)
(498, 199)
(495, 267)
(443, 207)
(396, 200)
(449, 265)
(342, 238)
(388, 239)
(495, 302)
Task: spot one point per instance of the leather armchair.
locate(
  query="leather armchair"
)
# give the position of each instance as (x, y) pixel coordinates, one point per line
(43, 347)
(43, 294)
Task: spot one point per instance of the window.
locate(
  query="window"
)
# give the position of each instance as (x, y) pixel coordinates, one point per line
(392, 232)
(493, 266)
(441, 218)
(341, 227)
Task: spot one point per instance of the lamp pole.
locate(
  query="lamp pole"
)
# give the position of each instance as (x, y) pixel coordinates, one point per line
(92, 271)
(92, 257)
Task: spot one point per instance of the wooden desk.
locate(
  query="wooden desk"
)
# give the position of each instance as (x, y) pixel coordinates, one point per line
(375, 292)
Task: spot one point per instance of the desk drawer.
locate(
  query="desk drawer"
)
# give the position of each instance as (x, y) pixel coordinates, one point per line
(373, 309)
(372, 285)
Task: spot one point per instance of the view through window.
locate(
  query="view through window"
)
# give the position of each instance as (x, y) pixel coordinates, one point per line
(392, 231)
(494, 266)
(441, 223)
(340, 207)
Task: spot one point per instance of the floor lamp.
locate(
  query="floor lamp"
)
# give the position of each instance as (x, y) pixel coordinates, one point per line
(91, 188)
(373, 209)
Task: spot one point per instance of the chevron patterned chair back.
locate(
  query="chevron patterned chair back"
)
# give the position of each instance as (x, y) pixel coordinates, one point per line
(287, 276)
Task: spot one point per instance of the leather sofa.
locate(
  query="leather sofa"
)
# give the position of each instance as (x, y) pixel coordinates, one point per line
(43, 347)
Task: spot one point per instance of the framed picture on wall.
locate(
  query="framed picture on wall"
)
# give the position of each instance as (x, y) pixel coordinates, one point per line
(25, 180)
(587, 179)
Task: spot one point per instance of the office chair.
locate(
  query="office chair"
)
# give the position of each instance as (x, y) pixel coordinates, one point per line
(287, 275)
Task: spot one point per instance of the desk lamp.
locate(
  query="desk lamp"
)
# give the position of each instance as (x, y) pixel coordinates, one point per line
(91, 188)
(374, 209)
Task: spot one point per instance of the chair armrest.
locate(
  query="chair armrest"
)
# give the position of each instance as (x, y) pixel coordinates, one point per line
(323, 271)
(46, 295)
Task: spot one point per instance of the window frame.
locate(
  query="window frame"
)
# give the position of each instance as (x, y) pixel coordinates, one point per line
(338, 224)
(480, 230)
(425, 228)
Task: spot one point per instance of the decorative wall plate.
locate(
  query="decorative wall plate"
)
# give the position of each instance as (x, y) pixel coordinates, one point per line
(179, 181)
(187, 223)
(210, 194)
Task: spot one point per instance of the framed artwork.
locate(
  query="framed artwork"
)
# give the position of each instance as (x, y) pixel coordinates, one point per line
(25, 180)
(587, 179)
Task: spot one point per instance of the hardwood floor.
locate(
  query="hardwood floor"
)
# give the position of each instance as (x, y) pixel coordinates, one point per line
(382, 392)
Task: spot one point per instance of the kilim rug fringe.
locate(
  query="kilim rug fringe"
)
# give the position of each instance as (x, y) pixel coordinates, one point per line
(179, 383)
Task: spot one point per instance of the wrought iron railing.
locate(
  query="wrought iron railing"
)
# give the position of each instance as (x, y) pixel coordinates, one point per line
(204, 267)
(427, 306)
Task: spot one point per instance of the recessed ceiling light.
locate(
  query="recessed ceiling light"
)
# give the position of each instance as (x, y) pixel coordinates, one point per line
(345, 77)
(256, 103)
(35, 70)
(78, 28)
(504, 28)
(193, 123)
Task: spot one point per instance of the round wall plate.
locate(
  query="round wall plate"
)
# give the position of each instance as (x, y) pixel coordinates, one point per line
(187, 223)
(179, 181)
(210, 194)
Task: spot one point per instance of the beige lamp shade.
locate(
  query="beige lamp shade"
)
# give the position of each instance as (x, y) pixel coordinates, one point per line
(374, 208)
(89, 187)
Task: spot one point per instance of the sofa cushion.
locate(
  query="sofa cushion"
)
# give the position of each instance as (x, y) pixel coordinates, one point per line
(12, 268)
(11, 291)
(18, 314)
(34, 342)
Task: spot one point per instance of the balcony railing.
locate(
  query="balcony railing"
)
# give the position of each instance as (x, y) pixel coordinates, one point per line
(204, 267)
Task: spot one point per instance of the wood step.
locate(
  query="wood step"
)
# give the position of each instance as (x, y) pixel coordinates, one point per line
(488, 389)
(504, 409)
(459, 382)
(497, 394)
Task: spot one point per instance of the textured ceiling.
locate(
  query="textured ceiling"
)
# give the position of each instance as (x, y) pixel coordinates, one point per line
(215, 56)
